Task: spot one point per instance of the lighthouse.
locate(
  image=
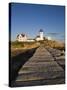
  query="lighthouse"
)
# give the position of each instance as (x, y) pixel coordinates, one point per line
(41, 34)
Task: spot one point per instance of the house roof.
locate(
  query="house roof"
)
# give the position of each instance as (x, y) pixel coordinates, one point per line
(21, 35)
(17, 35)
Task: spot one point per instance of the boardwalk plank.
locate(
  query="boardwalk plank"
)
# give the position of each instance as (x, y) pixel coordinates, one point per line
(41, 66)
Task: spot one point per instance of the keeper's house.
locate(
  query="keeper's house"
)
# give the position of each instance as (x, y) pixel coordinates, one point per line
(21, 38)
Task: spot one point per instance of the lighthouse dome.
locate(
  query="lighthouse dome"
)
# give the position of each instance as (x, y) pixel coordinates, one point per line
(41, 30)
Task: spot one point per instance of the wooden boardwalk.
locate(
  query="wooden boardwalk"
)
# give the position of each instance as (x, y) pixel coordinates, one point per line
(44, 67)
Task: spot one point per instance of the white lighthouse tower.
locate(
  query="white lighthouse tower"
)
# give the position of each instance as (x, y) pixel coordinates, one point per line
(41, 34)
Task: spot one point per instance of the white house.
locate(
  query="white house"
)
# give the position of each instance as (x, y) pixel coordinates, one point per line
(21, 37)
(40, 36)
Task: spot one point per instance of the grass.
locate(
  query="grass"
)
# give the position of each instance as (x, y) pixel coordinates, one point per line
(18, 47)
(23, 44)
(17, 44)
(21, 47)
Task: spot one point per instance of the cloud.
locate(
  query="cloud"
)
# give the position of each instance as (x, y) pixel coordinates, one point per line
(55, 34)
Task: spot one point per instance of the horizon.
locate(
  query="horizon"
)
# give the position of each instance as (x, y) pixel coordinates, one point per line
(30, 18)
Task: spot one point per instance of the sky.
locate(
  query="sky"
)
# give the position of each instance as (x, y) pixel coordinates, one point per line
(30, 18)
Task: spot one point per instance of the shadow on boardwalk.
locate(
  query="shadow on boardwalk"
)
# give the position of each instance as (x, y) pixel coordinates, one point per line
(17, 62)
